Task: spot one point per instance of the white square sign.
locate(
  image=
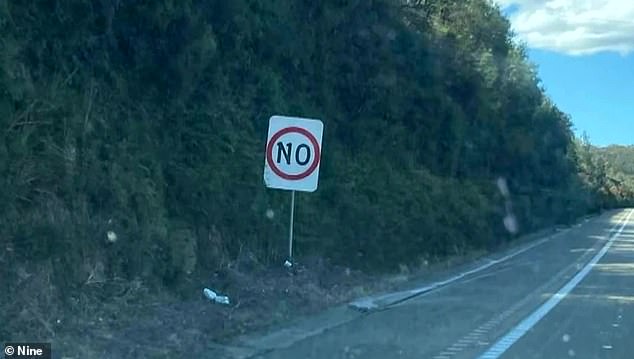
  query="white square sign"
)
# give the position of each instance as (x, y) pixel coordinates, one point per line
(293, 153)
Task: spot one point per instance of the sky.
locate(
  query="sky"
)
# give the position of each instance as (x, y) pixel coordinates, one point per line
(584, 50)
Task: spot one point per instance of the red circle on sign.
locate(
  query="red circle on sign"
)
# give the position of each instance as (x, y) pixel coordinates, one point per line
(279, 172)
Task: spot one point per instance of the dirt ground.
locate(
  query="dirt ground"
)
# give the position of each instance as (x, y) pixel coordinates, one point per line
(139, 324)
(136, 323)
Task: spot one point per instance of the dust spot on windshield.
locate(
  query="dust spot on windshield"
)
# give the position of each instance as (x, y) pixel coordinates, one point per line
(510, 221)
(565, 338)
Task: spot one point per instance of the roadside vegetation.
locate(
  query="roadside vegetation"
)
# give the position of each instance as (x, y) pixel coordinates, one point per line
(148, 120)
(611, 168)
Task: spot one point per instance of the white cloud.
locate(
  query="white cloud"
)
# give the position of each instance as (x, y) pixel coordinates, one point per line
(574, 27)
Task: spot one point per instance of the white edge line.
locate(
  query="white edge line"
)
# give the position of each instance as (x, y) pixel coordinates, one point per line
(370, 303)
(502, 345)
(491, 263)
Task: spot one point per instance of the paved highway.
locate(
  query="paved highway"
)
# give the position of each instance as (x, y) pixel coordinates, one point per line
(571, 296)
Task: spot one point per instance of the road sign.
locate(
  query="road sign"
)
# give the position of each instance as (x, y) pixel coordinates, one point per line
(293, 153)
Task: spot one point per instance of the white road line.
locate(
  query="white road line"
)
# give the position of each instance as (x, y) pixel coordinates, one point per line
(478, 333)
(529, 322)
(491, 263)
(369, 303)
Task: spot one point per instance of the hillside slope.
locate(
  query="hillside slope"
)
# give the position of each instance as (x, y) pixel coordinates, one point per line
(621, 158)
(149, 120)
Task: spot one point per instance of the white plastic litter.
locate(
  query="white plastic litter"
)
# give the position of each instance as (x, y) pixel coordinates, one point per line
(111, 236)
(288, 264)
(211, 295)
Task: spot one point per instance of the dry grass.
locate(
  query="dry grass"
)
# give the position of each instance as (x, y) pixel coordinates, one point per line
(125, 319)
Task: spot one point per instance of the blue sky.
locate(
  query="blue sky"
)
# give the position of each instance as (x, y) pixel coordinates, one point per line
(596, 90)
(584, 51)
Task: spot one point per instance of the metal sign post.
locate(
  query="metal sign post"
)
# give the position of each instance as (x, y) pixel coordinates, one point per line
(290, 229)
(292, 157)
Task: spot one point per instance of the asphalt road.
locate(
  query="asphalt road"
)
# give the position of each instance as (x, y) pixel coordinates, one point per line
(569, 297)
